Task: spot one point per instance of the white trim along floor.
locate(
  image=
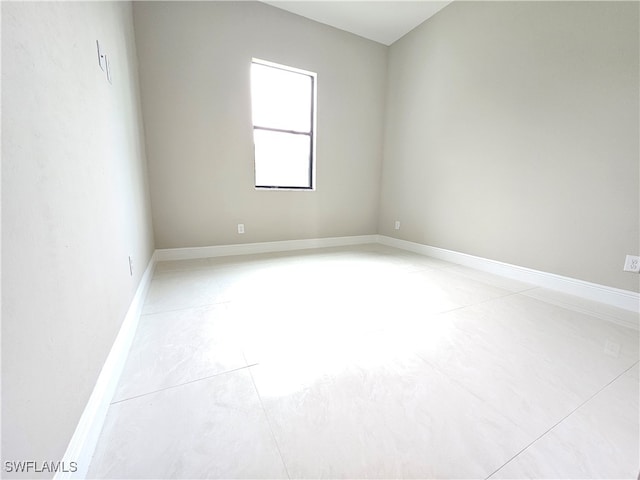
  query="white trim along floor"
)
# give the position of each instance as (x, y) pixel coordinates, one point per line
(361, 359)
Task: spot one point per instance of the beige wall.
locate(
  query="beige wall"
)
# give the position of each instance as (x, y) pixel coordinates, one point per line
(194, 71)
(512, 134)
(74, 207)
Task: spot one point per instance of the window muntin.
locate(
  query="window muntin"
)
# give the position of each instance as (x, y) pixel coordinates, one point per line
(283, 111)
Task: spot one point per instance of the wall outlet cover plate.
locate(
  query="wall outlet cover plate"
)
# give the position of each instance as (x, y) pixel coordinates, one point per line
(632, 264)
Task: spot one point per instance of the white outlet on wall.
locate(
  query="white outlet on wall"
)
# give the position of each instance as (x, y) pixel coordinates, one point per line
(241, 228)
(632, 264)
(397, 225)
(612, 349)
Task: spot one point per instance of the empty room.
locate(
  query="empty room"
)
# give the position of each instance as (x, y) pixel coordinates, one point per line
(320, 239)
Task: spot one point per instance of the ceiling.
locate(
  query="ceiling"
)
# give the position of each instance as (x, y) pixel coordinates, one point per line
(381, 21)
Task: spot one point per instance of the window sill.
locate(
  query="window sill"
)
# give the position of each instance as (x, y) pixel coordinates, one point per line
(286, 189)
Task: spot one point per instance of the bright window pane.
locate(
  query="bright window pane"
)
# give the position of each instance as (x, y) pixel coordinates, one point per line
(280, 99)
(282, 159)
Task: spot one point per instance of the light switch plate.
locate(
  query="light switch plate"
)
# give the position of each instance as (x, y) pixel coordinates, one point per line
(102, 57)
(108, 64)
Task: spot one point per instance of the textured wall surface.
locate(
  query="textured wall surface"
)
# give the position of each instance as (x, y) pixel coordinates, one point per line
(194, 72)
(75, 205)
(506, 130)
(512, 134)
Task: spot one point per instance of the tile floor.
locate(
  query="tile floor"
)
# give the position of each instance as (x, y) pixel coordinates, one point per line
(369, 362)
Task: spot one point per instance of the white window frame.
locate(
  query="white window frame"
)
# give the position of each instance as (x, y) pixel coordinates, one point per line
(312, 133)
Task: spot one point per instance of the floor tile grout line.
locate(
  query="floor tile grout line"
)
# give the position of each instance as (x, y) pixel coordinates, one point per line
(183, 270)
(272, 423)
(452, 378)
(429, 268)
(482, 302)
(266, 416)
(471, 305)
(453, 267)
(567, 305)
(560, 421)
(192, 307)
(185, 383)
(225, 302)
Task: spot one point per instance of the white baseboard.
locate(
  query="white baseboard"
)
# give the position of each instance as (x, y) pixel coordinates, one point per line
(264, 247)
(615, 297)
(85, 437)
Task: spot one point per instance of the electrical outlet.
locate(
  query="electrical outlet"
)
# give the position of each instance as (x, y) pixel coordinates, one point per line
(397, 225)
(612, 349)
(130, 265)
(632, 264)
(241, 228)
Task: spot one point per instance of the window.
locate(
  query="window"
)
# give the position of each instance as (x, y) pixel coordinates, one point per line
(283, 109)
